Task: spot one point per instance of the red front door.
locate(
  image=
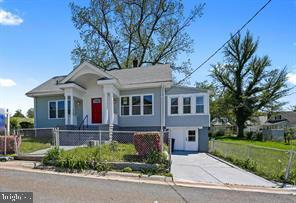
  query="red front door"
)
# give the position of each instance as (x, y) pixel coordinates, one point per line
(96, 110)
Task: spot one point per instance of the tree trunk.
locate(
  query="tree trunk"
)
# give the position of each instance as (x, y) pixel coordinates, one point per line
(240, 122)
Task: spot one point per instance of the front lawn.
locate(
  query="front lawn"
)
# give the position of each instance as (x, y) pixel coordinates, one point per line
(29, 144)
(269, 144)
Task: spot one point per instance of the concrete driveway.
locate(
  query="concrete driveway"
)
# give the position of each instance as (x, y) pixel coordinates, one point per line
(200, 167)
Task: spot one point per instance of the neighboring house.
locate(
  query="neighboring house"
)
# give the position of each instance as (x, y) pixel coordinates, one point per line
(129, 99)
(221, 124)
(255, 124)
(281, 120)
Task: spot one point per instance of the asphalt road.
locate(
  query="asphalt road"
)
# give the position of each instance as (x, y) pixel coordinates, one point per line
(57, 188)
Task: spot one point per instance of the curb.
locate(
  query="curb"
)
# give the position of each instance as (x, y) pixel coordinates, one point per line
(160, 180)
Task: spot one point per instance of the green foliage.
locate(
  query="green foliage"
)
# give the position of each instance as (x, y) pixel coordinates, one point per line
(30, 113)
(219, 133)
(18, 113)
(288, 135)
(127, 170)
(52, 156)
(114, 146)
(26, 124)
(250, 84)
(103, 167)
(15, 122)
(150, 31)
(155, 157)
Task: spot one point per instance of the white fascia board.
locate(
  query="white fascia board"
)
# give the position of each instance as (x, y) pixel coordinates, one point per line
(83, 65)
(72, 85)
(44, 93)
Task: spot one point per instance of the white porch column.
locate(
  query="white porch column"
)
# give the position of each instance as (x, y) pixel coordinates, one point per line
(111, 109)
(105, 108)
(72, 109)
(66, 110)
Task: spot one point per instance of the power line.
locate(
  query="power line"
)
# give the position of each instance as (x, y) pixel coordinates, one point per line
(221, 47)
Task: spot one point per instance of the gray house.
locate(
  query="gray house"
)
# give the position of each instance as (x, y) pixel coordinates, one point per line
(128, 99)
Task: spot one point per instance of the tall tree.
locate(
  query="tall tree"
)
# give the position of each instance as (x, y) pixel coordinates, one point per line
(251, 84)
(114, 33)
(18, 113)
(219, 107)
(30, 113)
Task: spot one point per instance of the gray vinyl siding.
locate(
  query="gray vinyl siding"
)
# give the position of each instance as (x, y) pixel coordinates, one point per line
(142, 121)
(185, 120)
(41, 120)
(203, 140)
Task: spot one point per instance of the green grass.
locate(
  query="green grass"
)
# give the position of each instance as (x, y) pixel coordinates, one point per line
(29, 144)
(269, 162)
(107, 152)
(269, 144)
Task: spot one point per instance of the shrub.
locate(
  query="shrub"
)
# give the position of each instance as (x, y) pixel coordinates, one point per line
(249, 135)
(26, 124)
(155, 157)
(259, 136)
(10, 144)
(147, 142)
(102, 166)
(219, 133)
(52, 156)
(113, 146)
(127, 170)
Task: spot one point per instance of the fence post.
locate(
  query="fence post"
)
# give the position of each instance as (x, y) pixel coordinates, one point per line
(56, 135)
(100, 142)
(161, 140)
(170, 149)
(289, 165)
(5, 141)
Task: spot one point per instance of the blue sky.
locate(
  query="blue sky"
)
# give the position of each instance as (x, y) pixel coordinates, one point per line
(37, 36)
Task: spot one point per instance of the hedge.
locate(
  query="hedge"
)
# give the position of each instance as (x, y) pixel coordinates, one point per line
(10, 144)
(145, 142)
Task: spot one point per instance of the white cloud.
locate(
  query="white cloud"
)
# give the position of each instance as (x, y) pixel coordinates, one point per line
(292, 78)
(7, 18)
(6, 82)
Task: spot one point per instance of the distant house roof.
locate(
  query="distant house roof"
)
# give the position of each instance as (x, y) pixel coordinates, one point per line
(132, 76)
(289, 116)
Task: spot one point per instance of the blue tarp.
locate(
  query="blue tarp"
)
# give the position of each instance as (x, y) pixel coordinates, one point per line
(2, 119)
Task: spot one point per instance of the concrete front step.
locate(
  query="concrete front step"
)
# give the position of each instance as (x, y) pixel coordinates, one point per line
(29, 157)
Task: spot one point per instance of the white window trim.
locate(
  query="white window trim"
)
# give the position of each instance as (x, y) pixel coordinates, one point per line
(193, 104)
(186, 105)
(142, 105)
(57, 110)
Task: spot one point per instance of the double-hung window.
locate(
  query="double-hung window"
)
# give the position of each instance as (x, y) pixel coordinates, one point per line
(186, 105)
(136, 105)
(174, 105)
(56, 109)
(125, 106)
(200, 104)
(147, 106)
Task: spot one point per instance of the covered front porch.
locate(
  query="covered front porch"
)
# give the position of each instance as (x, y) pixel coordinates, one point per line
(84, 109)
(91, 97)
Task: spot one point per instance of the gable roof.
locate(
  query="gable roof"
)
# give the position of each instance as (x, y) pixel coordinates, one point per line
(125, 77)
(141, 75)
(289, 116)
(47, 87)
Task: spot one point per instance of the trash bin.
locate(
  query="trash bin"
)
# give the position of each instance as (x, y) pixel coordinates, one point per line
(173, 144)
